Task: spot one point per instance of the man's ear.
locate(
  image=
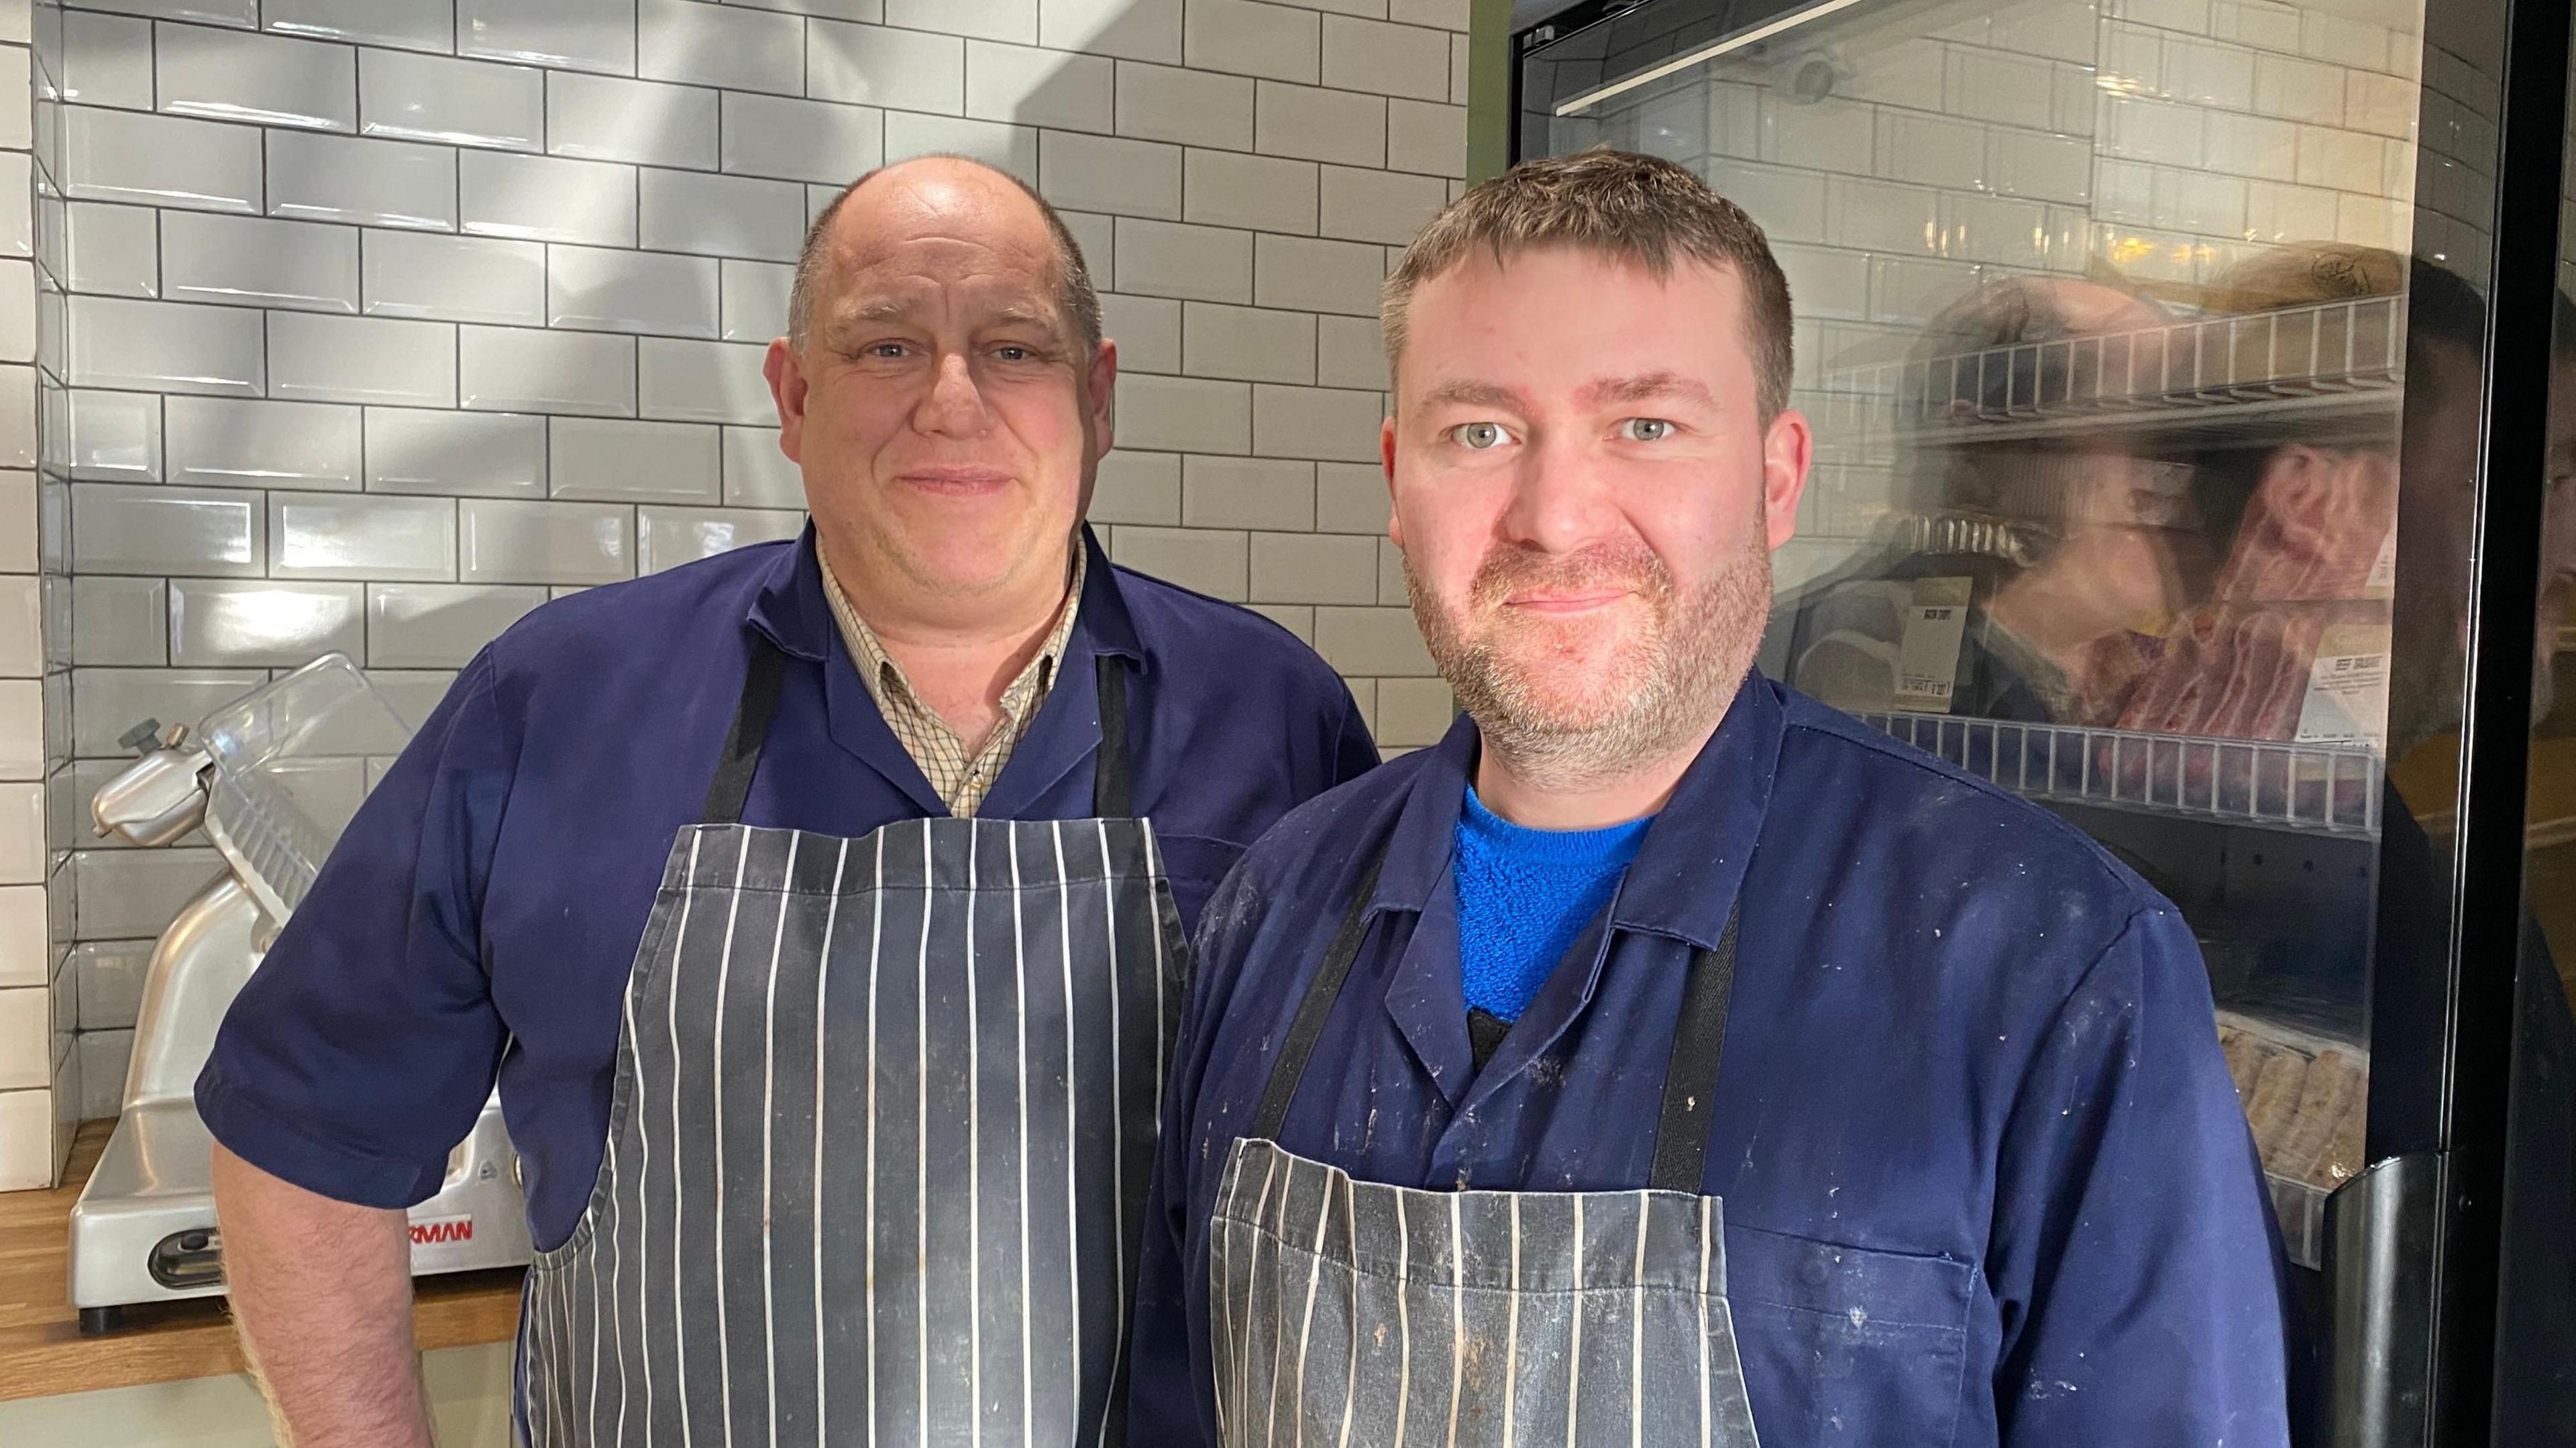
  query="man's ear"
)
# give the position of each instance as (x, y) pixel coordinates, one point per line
(1788, 447)
(786, 376)
(1386, 459)
(1100, 398)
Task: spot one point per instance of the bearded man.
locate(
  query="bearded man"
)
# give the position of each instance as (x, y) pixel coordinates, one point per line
(1664, 1058)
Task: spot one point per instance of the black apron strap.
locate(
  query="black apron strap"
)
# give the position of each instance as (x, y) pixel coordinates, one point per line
(1288, 1068)
(1113, 786)
(741, 757)
(1690, 1076)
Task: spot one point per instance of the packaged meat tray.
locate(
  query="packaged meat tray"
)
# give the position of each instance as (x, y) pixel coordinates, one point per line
(2307, 1098)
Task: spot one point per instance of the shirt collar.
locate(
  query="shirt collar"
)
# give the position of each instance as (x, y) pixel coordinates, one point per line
(1686, 873)
(791, 609)
(880, 671)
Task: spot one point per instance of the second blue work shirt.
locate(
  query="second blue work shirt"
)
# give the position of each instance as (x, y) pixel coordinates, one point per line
(482, 910)
(1985, 1178)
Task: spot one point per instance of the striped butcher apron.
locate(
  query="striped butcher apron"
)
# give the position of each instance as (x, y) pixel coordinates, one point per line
(884, 1115)
(1347, 1312)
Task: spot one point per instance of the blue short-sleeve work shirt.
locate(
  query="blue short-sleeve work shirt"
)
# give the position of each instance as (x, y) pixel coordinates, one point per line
(481, 912)
(1985, 1178)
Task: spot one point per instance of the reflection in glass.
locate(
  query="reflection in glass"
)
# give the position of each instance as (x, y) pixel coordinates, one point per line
(2102, 323)
(2107, 319)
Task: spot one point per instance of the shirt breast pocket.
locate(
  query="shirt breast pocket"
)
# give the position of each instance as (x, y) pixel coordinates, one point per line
(1845, 1345)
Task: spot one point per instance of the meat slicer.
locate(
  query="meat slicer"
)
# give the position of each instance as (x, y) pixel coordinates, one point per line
(272, 777)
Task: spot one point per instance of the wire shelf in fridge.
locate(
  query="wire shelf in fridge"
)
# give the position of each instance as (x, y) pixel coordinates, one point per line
(2308, 788)
(2332, 355)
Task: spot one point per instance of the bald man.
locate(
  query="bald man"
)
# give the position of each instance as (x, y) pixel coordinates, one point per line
(819, 909)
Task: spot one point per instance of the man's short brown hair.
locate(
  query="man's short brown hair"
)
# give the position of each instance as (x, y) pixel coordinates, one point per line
(1638, 209)
(1074, 294)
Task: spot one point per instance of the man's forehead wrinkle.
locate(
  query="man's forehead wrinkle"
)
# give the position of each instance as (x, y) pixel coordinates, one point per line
(913, 299)
(925, 254)
(906, 289)
(874, 266)
(926, 264)
(934, 238)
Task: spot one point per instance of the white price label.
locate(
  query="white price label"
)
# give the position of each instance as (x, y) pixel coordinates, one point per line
(2347, 701)
(1927, 658)
(2382, 581)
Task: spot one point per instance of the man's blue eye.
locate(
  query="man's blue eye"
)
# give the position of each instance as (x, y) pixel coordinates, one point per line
(1480, 436)
(1645, 429)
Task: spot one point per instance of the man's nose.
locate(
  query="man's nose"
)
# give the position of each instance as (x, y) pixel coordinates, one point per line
(954, 406)
(1559, 503)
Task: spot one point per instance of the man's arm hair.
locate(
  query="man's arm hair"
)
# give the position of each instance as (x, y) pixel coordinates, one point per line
(321, 1291)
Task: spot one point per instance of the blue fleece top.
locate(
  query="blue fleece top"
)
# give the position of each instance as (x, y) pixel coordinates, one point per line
(1523, 895)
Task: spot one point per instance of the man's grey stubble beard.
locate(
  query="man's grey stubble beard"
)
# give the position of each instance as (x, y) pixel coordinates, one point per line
(1690, 669)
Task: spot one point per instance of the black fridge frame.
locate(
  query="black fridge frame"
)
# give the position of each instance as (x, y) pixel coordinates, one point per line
(2442, 1099)
(2472, 1089)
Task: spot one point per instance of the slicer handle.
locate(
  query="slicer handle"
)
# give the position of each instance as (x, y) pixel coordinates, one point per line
(156, 799)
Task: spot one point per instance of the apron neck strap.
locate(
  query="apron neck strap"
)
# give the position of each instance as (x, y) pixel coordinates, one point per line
(741, 757)
(1690, 1074)
(1113, 785)
(1288, 1068)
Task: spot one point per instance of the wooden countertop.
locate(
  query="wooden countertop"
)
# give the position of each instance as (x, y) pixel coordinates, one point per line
(42, 1352)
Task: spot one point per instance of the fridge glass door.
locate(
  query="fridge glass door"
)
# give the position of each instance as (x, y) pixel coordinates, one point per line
(2535, 1344)
(2102, 323)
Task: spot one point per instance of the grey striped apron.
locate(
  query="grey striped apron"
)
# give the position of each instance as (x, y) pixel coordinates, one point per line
(884, 1115)
(1346, 1312)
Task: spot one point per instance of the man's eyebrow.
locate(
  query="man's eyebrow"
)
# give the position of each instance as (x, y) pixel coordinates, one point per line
(1643, 387)
(1042, 318)
(886, 309)
(1467, 393)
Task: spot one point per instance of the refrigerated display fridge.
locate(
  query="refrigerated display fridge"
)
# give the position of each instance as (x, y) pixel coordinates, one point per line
(2190, 417)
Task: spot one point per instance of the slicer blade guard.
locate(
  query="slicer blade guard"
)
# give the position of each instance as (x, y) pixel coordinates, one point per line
(292, 760)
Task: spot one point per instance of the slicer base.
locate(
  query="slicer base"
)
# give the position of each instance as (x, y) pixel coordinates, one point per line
(152, 1191)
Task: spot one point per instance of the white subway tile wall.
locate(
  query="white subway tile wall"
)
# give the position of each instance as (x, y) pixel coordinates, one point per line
(40, 1080)
(386, 320)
